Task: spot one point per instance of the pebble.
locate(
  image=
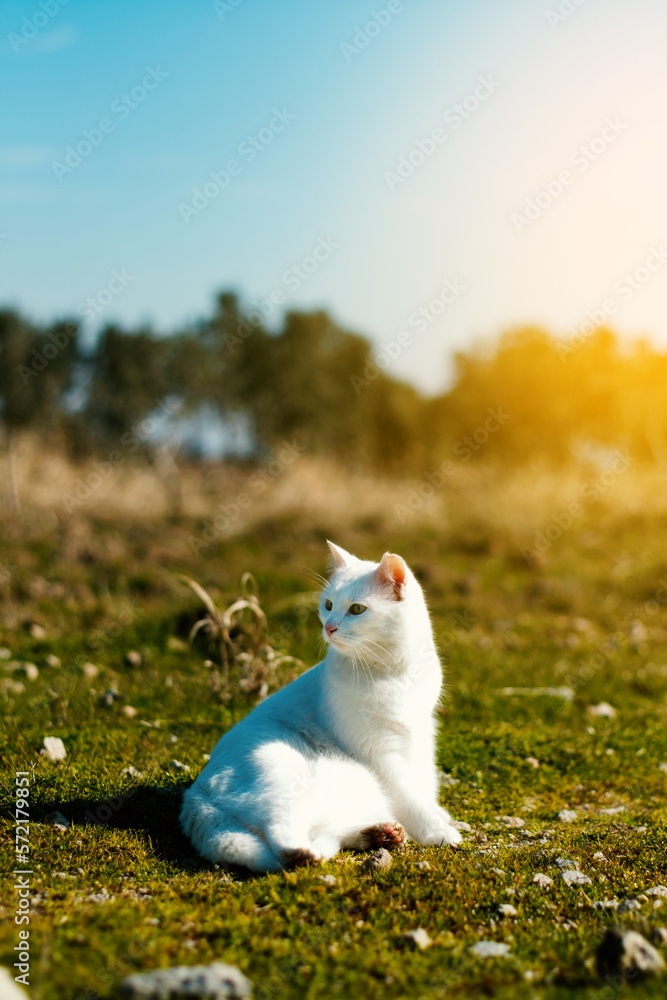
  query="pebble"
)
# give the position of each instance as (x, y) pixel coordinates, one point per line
(58, 820)
(662, 766)
(424, 866)
(22, 668)
(214, 982)
(629, 905)
(380, 860)
(176, 645)
(133, 658)
(627, 951)
(567, 815)
(90, 670)
(657, 890)
(544, 881)
(604, 710)
(461, 826)
(564, 863)
(52, 660)
(54, 748)
(575, 877)
(507, 910)
(177, 767)
(129, 711)
(131, 772)
(605, 904)
(446, 780)
(567, 693)
(533, 761)
(513, 821)
(5, 654)
(328, 879)
(418, 938)
(490, 949)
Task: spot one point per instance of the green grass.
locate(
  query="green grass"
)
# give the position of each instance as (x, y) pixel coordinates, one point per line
(100, 589)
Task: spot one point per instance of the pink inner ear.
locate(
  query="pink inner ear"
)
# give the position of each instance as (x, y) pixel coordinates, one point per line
(392, 570)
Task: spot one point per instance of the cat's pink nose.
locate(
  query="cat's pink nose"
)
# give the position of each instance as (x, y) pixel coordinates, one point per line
(330, 629)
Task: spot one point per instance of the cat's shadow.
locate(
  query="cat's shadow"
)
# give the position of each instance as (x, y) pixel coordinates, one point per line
(151, 812)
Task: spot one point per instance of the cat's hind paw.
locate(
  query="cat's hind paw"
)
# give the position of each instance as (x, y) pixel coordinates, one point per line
(299, 857)
(387, 835)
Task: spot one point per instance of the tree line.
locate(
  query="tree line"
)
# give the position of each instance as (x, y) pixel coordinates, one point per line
(527, 395)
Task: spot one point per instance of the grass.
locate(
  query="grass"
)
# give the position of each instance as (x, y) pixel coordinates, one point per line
(122, 890)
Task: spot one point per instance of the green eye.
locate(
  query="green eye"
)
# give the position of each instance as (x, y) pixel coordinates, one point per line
(328, 605)
(357, 609)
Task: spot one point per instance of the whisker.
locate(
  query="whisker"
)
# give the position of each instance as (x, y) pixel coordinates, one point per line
(382, 648)
(316, 576)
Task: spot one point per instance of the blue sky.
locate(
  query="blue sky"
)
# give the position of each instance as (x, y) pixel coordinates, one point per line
(552, 83)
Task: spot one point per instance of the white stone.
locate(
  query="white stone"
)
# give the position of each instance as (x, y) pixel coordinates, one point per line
(604, 710)
(177, 767)
(54, 748)
(513, 821)
(418, 938)
(214, 982)
(490, 949)
(574, 877)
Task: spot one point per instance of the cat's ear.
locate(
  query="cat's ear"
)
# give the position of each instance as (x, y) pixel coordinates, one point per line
(339, 556)
(393, 572)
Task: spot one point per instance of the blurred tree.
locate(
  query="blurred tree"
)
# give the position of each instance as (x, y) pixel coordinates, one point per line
(37, 371)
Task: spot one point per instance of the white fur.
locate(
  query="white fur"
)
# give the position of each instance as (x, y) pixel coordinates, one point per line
(347, 746)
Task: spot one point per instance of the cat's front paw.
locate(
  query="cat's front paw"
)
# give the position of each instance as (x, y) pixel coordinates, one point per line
(442, 835)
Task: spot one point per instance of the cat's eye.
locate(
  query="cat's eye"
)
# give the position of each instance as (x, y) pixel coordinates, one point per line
(357, 609)
(328, 605)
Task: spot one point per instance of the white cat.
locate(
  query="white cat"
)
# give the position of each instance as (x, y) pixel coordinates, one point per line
(343, 757)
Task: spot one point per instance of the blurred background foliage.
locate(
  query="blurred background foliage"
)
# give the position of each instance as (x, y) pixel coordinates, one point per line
(326, 387)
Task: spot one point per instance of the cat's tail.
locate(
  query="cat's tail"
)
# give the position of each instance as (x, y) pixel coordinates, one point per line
(221, 839)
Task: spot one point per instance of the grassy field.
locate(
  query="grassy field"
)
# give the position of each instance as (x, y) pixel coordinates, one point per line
(121, 890)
